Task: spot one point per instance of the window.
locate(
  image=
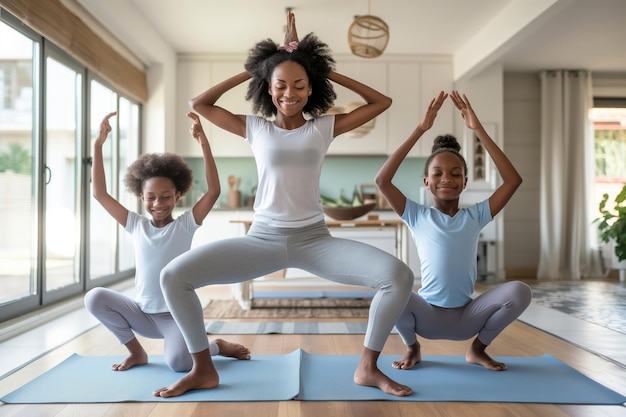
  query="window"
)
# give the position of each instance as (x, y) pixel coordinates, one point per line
(50, 109)
(609, 123)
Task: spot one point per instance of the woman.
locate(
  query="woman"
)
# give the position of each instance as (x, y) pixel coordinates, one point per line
(288, 229)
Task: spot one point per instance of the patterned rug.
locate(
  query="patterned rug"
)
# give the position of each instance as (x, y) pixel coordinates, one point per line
(290, 308)
(599, 302)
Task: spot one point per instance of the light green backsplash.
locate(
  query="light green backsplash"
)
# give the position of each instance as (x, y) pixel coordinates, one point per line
(339, 174)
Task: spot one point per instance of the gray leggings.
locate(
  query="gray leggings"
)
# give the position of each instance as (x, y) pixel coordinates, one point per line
(123, 317)
(267, 249)
(486, 316)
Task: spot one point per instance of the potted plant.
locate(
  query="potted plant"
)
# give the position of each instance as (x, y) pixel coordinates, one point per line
(612, 228)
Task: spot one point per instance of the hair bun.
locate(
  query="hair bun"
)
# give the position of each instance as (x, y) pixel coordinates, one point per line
(446, 142)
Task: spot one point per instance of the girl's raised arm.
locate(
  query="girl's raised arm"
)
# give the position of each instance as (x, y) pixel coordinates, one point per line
(202, 208)
(511, 180)
(100, 193)
(393, 195)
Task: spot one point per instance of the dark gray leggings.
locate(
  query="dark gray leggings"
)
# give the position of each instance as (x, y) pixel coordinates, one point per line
(486, 316)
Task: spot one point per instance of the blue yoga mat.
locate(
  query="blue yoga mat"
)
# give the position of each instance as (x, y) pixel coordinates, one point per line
(537, 379)
(311, 377)
(89, 379)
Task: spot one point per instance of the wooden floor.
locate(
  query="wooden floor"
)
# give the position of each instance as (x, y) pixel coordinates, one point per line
(517, 340)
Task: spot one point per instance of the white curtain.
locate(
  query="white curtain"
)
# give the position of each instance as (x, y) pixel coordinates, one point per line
(567, 176)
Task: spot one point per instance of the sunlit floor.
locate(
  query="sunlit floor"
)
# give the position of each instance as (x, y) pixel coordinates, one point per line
(591, 315)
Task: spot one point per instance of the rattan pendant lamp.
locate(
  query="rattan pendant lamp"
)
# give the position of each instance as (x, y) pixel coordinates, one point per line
(368, 35)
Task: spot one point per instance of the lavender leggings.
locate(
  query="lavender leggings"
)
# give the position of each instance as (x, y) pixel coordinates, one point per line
(123, 317)
(267, 249)
(486, 316)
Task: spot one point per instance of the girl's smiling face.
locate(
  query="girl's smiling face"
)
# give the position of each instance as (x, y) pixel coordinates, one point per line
(159, 198)
(289, 88)
(446, 177)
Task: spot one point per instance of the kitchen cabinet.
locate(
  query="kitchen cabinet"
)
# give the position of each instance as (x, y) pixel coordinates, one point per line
(410, 81)
(412, 85)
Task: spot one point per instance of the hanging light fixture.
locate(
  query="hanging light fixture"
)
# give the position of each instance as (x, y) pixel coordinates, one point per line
(368, 35)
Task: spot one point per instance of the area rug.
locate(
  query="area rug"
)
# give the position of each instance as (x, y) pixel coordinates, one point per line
(312, 293)
(286, 327)
(598, 302)
(312, 377)
(289, 308)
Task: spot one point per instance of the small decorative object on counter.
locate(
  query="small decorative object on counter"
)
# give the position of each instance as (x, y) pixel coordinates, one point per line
(234, 193)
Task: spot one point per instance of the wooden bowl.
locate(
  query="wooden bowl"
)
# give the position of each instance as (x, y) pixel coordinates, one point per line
(348, 213)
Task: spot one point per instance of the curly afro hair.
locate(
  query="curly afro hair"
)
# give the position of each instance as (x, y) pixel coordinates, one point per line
(445, 143)
(152, 165)
(312, 54)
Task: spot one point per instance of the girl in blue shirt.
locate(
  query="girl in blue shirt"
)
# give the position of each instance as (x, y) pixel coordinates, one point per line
(446, 237)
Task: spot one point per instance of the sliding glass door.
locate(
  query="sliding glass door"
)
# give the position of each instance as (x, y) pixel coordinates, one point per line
(55, 241)
(19, 70)
(62, 173)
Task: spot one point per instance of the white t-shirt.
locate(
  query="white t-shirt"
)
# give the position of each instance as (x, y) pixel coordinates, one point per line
(446, 247)
(154, 248)
(289, 164)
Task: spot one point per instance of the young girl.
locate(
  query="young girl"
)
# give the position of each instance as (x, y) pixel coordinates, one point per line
(447, 237)
(289, 230)
(160, 180)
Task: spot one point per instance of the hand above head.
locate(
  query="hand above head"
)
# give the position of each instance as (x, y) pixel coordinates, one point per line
(105, 129)
(291, 35)
(467, 113)
(431, 112)
(196, 129)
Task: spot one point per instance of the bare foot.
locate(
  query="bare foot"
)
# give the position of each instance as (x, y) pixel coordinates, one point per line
(138, 356)
(369, 375)
(412, 356)
(377, 379)
(203, 375)
(129, 362)
(476, 354)
(233, 350)
(189, 382)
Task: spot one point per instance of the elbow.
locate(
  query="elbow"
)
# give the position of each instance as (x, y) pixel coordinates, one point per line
(214, 192)
(195, 104)
(387, 102)
(380, 181)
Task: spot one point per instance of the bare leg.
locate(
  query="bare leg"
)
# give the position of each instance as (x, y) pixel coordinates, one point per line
(476, 354)
(232, 350)
(203, 375)
(412, 356)
(369, 375)
(138, 356)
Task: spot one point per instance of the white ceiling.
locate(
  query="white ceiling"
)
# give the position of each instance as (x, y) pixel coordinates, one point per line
(524, 35)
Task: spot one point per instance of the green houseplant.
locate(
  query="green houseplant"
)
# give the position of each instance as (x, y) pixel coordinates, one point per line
(612, 223)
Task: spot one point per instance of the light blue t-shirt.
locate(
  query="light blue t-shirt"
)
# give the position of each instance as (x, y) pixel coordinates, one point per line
(447, 247)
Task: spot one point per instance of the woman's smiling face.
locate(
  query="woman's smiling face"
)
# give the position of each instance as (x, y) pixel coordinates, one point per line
(289, 88)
